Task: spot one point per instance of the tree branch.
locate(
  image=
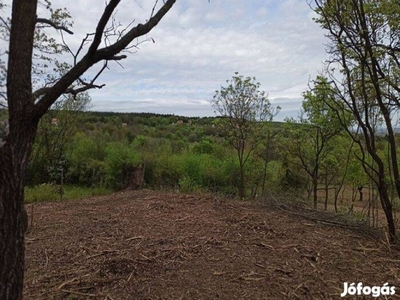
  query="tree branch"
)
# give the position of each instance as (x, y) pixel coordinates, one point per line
(84, 88)
(117, 57)
(54, 25)
(93, 56)
(139, 30)
(102, 25)
(73, 91)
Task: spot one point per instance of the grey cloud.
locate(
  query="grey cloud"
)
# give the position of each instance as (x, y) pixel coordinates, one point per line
(199, 45)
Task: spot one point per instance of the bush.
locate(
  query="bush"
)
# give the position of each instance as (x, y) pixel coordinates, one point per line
(43, 192)
(195, 172)
(186, 185)
(192, 167)
(167, 171)
(203, 147)
(85, 161)
(120, 158)
(219, 174)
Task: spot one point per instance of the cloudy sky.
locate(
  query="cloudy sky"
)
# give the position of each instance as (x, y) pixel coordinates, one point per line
(201, 44)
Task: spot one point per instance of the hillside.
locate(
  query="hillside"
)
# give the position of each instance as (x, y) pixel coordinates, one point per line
(161, 245)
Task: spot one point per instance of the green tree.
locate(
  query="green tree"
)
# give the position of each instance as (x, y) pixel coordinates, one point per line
(86, 160)
(336, 167)
(29, 97)
(266, 152)
(55, 132)
(310, 138)
(244, 109)
(364, 46)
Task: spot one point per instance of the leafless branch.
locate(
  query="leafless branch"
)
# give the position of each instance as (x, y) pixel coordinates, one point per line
(95, 55)
(105, 66)
(76, 91)
(154, 8)
(112, 32)
(102, 25)
(122, 32)
(83, 43)
(5, 23)
(66, 45)
(72, 91)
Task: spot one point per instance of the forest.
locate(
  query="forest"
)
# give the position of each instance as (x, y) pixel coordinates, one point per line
(310, 158)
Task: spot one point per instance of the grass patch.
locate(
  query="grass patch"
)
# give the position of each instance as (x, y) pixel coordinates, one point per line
(43, 192)
(49, 192)
(77, 192)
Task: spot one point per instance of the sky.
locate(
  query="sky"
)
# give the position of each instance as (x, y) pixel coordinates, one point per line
(200, 44)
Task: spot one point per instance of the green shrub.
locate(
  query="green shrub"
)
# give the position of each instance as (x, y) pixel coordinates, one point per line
(186, 185)
(120, 159)
(167, 171)
(203, 147)
(43, 192)
(193, 168)
(215, 174)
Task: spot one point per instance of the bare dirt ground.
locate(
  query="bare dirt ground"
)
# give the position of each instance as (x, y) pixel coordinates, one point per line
(161, 245)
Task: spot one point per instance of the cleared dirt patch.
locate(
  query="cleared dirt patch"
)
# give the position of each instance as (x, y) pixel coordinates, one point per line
(160, 245)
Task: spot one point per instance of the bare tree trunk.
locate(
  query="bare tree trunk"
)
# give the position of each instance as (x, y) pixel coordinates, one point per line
(11, 234)
(337, 191)
(264, 176)
(315, 191)
(15, 149)
(388, 210)
(326, 191)
(13, 220)
(361, 193)
(242, 188)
